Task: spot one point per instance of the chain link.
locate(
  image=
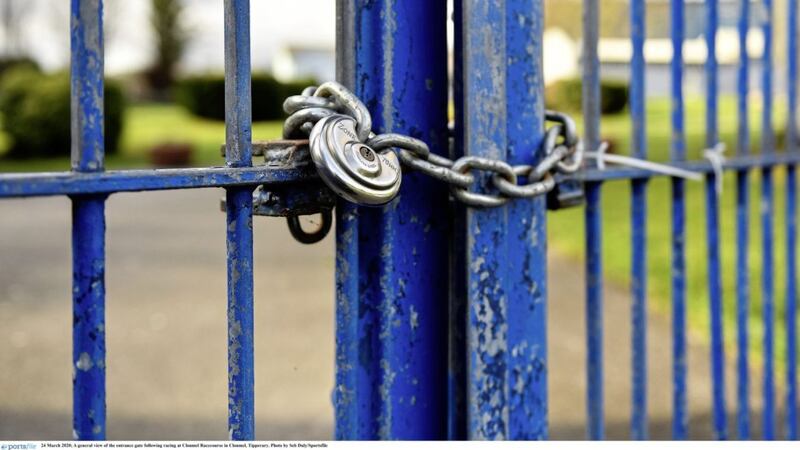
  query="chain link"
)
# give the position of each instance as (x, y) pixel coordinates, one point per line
(499, 182)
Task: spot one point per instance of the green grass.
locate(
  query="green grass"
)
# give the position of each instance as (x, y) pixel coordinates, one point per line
(147, 125)
(566, 234)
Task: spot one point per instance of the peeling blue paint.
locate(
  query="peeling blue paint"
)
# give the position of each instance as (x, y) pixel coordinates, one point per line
(393, 289)
(88, 223)
(485, 128)
(89, 347)
(71, 183)
(402, 254)
(239, 206)
(86, 70)
(506, 247)
(526, 279)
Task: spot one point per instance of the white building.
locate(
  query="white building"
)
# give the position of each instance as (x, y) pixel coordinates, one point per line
(305, 61)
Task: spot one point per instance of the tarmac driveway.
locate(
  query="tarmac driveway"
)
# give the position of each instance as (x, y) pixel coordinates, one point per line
(166, 329)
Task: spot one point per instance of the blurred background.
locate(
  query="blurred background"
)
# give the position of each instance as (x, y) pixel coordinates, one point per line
(166, 250)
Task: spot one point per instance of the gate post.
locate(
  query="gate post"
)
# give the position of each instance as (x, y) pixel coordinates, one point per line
(391, 262)
(503, 118)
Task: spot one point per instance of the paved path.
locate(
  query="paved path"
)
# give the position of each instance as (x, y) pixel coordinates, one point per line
(166, 330)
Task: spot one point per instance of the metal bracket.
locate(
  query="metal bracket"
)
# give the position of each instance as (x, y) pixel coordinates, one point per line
(290, 199)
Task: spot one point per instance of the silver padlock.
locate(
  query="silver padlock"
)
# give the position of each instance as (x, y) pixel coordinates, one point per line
(351, 168)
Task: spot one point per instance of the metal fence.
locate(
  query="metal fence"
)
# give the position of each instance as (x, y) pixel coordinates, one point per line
(441, 327)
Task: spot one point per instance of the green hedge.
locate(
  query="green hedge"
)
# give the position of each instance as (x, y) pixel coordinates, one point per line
(204, 96)
(8, 64)
(567, 94)
(36, 113)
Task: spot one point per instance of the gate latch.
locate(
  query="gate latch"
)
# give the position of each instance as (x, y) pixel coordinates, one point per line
(292, 200)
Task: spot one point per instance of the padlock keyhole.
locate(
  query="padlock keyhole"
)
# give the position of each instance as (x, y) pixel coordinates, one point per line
(366, 153)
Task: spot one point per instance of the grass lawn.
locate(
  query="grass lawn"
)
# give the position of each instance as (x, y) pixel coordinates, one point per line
(151, 124)
(566, 233)
(147, 125)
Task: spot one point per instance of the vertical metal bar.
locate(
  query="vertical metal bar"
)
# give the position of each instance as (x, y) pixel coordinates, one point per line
(678, 153)
(767, 211)
(413, 101)
(457, 352)
(594, 319)
(88, 223)
(351, 400)
(791, 229)
(791, 303)
(503, 111)
(717, 353)
(356, 392)
(639, 227)
(347, 398)
(484, 71)
(238, 124)
(742, 232)
(526, 280)
(402, 247)
(88, 348)
(593, 217)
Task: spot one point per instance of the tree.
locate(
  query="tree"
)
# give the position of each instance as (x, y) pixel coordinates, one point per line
(170, 42)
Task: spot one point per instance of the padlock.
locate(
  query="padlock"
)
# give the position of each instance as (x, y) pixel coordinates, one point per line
(351, 168)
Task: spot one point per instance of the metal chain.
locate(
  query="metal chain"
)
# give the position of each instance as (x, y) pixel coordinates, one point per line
(563, 150)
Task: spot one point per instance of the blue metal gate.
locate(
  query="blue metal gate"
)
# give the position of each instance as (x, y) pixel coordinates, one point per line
(440, 308)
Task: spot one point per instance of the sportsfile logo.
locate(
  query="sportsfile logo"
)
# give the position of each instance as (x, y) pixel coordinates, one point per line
(18, 446)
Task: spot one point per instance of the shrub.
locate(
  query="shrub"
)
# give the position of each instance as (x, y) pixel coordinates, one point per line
(36, 113)
(567, 95)
(204, 96)
(11, 63)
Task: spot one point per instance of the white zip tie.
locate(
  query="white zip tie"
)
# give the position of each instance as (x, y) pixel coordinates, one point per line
(602, 157)
(716, 156)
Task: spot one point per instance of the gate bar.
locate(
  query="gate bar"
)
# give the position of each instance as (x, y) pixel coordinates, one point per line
(680, 420)
(639, 426)
(526, 280)
(502, 101)
(38, 184)
(239, 206)
(485, 127)
(400, 389)
(71, 183)
(356, 377)
(767, 211)
(88, 223)
(593, 219)
(717, 353)
(743, 231)
(457, 353)
(410, 97)
(790, 313)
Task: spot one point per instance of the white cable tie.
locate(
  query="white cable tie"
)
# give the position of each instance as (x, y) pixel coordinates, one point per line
(716, 156)
(602, 157)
